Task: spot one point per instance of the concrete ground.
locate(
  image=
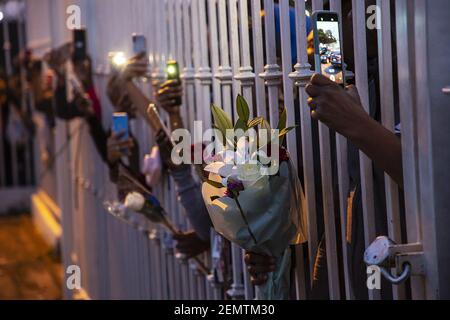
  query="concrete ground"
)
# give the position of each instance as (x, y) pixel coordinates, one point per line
(28, 267)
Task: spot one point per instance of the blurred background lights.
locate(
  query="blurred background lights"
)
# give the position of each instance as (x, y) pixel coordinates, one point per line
(119, 59)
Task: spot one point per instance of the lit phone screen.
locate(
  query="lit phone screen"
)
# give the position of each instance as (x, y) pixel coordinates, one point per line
(330, 51)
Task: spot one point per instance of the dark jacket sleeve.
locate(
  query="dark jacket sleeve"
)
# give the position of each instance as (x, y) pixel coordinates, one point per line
(99, 135)
(67, 111)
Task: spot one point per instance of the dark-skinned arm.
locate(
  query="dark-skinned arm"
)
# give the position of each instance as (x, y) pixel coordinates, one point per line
(342, 111)
(380, 145)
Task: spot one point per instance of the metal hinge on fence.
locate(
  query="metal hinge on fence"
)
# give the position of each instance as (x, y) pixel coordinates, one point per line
(407, 259)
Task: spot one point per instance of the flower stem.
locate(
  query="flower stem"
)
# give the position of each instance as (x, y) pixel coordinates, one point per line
(244, 217)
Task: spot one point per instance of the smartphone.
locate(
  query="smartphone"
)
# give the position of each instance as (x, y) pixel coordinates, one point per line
(328, 46)
(139, 44)
(173, 70)
(79, 44)
(120, 124)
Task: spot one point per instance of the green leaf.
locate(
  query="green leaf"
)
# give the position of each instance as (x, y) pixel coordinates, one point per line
(221, 133)
(242, 108)
(266, 125)
(221, 119)
(283, 120)
(284, 132)
(241, 124)
(255, 122)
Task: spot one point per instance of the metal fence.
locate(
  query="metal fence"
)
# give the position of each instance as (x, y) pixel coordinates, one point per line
(226, 47)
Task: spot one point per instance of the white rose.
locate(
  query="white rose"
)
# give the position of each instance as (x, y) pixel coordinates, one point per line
(249, 172)
(134, 201)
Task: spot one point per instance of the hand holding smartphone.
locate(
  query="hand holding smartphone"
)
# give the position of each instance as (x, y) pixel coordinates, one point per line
(173, 74)
(119, 144)
(173, 70)
(328, 46)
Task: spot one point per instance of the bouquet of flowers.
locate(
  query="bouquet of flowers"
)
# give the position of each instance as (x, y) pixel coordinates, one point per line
(253, 194)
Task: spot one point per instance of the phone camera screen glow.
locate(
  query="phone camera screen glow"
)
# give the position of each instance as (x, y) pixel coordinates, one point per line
(330, 50)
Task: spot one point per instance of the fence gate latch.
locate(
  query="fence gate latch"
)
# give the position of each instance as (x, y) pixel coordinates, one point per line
(407, 259)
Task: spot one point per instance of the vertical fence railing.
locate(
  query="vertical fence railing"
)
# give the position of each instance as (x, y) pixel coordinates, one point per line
(362, 83)
(288, 94)
(404, 17)
(272, 74)
(388, 120)
(328, 201)
(222, 54)
(343, 177)
(258, 58)
(301, 76)
(243, 80)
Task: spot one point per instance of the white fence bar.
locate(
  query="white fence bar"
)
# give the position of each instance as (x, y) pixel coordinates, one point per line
(258, 57)
(301, 77)
(272, 74)
(204, 72)
(431, 21)
(214, 51)
(288, 88)
(245, 75)
(201, 115)
(242, 82)
(388, 120)
(237, 291)
(328, 202)
(408, 109)
(233, 31)
(188, 71)
(317, 5)
(288, 94)
(224, 74)
(362, 83)
(343, 177)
